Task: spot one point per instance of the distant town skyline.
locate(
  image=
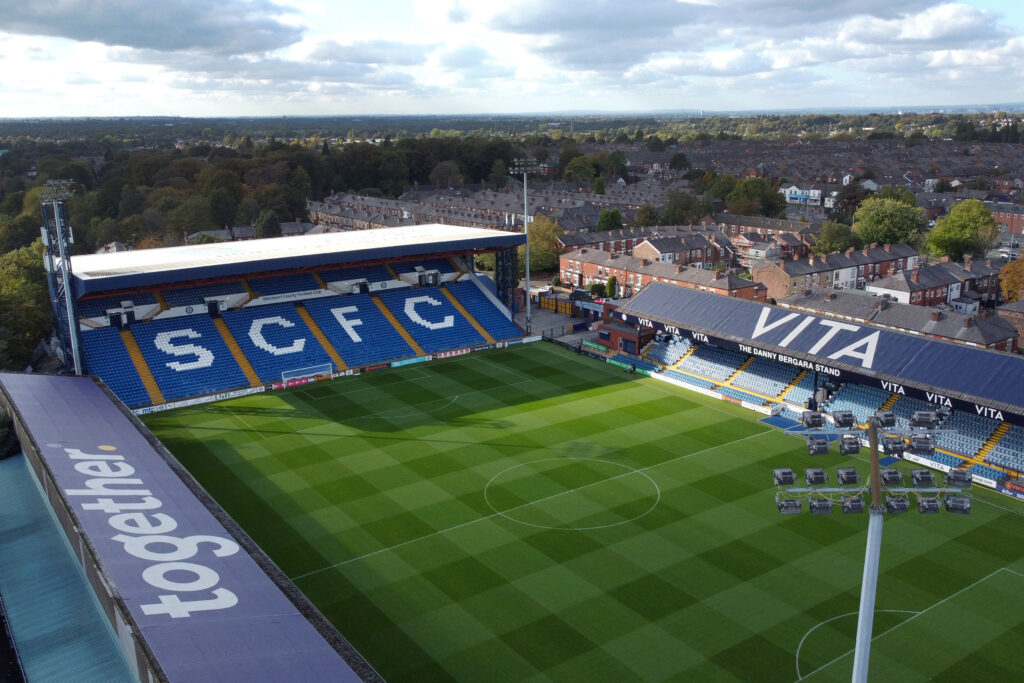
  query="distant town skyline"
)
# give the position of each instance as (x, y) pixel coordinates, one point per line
(317, 57)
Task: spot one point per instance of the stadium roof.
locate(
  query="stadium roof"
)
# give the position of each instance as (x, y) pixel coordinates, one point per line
(150, 267)
(937, 369)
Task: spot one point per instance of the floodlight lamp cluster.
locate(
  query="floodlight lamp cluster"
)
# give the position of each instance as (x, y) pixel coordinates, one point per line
(848, 494)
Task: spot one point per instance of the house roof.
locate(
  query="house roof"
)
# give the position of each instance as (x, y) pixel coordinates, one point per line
(661, 270)
(963, 373)
(984, 330)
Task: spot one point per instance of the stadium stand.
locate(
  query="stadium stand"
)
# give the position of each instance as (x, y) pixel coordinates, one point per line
(741, 395)
(374, 273)
(766, 377)
(804, 389)
(944, 459)
(195, 296)
(434, 323)
(439, 264)
(669, 352)
(972, 431)
(979, 470)
(107, 358)
(638, 363)
(358, 330)
(860, 400)
(713, 362)
(904, 409)
(187, 356)
(97, 307)
(283, 284)
(690, 379)
(274, 338)
(483, 310)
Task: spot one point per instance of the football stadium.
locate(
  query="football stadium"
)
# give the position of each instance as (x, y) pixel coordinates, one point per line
(338, 457)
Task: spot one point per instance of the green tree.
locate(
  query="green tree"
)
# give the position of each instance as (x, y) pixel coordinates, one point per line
(684, 209)
(756, 196)
(679, 162)
(610, 219)
(446, 174)
(900, 194)
(191, 216)
(646, 216)
(887, 221)
(25, 314)
(968, 229)
(544, 251)
(223, 207)
(17, 233)
(1011, 280)
(579, 169)
(599, 186)
(267, 225)
(835, 236)
(499, 173)
(611, 287)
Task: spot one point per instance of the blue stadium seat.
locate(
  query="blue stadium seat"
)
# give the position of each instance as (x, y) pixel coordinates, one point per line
(431, 319)
(367, 336)
(187, 356)
(483, 310)
(283, 284)
(766, 377)
(439, 264)
(195, 296)
(859, 399)
(668, 352)
(375, 273)
(97, 307)
(107, 358)
(275, 338)
(638, 363)
(712, 362)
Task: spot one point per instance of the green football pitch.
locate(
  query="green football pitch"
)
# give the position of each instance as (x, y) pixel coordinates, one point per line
(527, 514)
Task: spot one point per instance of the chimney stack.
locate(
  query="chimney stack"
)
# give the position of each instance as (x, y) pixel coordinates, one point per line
(968, 262)
(915, 275)
(936, 315)
(967, 321)
(944, 259)
(881, 304)
(888, 248)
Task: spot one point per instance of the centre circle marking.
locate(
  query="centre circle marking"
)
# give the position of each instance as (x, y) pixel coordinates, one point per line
(630, 470)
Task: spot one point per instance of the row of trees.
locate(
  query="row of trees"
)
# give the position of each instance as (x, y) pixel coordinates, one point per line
(968, 228)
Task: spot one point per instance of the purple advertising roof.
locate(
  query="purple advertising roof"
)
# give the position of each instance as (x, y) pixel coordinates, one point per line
(204, 606)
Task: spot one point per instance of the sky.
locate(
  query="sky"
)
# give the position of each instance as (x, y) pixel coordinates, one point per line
(362, 57)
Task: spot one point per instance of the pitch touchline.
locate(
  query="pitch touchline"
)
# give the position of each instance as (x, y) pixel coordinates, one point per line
(828, 621)
(909, 619)
(532, 502)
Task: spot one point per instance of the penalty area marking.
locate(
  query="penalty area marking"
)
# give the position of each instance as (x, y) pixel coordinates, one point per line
(632, 470)
(835, 618)
(902, 623)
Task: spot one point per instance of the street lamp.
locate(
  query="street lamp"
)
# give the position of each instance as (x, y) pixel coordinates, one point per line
(788, 500)
(526, 166)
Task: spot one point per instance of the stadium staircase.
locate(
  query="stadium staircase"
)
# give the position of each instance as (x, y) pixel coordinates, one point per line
(993, 440)
(739, 370)
(236, 351)
(458, 268)
(320, 336)
(465, 314)
(394, 274)
(161, 300)
(792, 385)
(890, 402)
(320, 280)
(145, 374)
(675, 366)
(397, 325)
(249, 290)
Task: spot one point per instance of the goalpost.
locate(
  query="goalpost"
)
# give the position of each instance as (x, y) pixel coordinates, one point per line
(307, 373)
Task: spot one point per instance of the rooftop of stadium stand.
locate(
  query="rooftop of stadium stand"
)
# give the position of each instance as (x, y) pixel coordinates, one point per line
(148, 267)
(953, 370)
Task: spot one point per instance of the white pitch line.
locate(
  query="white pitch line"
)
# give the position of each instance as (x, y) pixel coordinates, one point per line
(906, 621)
(841, 616)
(532, 502)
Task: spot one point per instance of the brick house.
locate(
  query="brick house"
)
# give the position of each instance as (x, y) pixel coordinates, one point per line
(846, 270)
(585, 267)
(686, 249)
(964, 286)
